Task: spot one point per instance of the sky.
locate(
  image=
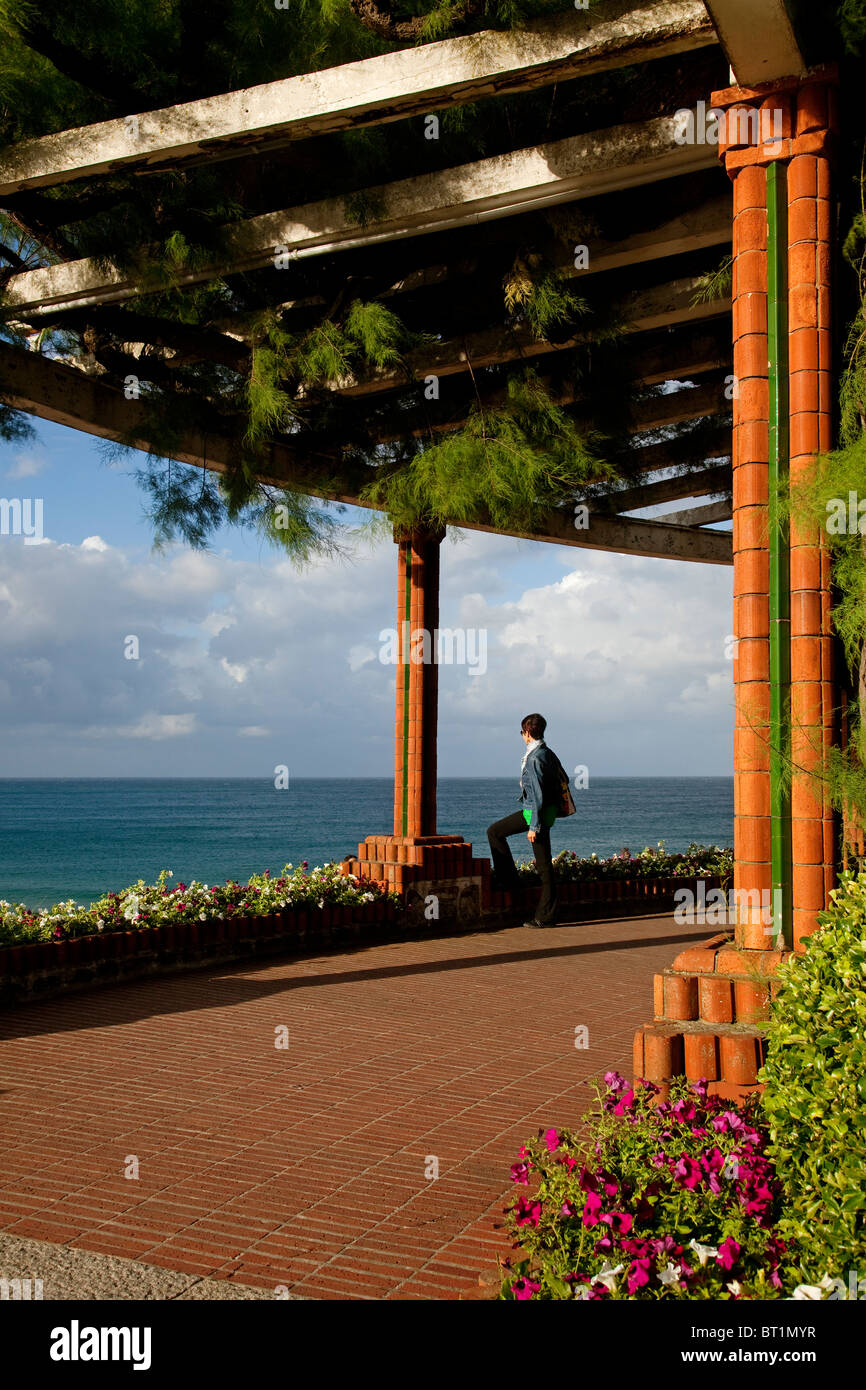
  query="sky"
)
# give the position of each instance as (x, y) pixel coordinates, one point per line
(244, 664)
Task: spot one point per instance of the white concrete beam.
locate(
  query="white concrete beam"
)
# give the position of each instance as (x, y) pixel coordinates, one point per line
(583, 166)
(402, 83)
(758, 39)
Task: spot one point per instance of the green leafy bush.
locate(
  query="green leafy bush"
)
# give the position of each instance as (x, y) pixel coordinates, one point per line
(815, 1094)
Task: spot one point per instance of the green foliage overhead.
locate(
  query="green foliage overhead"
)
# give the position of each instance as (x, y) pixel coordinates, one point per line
(815, 1093)
(508, 466)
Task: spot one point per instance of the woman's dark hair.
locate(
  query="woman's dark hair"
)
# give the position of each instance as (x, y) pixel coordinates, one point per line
(534, 725)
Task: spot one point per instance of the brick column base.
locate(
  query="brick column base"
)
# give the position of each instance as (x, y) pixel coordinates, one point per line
(426, 868)
(711, 1009)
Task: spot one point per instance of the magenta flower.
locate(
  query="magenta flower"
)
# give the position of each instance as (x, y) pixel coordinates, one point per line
(567, 1209)
(520, 1173)
(665, 1245)
(587, 1180)
(609, 1185)
(687, 1172)
(640, 1249)
(625, 1104)
(526, 1213)
(683, 1110)
(638, 1275)
(712, 1163)
(524, 1288)
(551, 1139)
(614, 1082)
(729, 1253)
(620, 1222)
(591, 1209)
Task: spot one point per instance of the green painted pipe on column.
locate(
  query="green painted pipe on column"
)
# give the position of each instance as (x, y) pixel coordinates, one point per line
(778, 540)
(405, 652)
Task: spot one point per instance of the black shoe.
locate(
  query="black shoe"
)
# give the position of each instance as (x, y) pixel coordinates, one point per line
(535, 923)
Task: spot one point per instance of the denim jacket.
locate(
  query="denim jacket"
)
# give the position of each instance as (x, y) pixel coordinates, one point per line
(539, 786)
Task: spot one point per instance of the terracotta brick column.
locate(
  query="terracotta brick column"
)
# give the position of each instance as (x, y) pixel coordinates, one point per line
(799, 115)
(751, 564)
(437, 874)
(712, 1003)
(417, 683)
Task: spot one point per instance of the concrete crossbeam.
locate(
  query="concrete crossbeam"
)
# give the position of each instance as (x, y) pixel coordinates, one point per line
(582, 166)
(758, 39)
(372, 91)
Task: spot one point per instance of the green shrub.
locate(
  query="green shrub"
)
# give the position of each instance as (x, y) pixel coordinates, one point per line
(815, 1095)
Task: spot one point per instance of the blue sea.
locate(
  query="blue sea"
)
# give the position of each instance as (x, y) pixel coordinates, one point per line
(79, 838)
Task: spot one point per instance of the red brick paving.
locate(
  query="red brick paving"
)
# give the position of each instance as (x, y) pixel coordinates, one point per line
(305, 1167)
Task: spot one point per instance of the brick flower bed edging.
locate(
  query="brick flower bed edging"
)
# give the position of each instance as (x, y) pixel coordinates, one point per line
(38, 970)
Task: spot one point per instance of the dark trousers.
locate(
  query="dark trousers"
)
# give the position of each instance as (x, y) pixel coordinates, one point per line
(505, 869)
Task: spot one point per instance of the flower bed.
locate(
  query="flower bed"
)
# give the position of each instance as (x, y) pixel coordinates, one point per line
(700, 1198)
(698, 861)
(677, 1200)
(146, 906)
(160, 926)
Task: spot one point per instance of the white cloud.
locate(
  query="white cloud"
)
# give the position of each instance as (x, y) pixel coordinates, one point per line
(155, 727)
(625, 658)
(28, 463)
(359, 656)
(238, 673)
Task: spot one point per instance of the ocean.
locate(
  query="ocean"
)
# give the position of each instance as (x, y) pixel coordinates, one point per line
(79, 838)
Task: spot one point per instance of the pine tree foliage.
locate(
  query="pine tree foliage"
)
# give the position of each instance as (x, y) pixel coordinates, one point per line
(508, 466)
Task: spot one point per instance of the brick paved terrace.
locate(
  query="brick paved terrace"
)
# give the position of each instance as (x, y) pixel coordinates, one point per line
(305, 1166)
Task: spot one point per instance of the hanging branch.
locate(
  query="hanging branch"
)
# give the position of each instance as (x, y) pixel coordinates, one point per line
(377, 16)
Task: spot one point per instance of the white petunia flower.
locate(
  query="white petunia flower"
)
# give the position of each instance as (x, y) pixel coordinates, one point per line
(607, 1275)
(671, 1274)
(735, 1287)
(703, 1252)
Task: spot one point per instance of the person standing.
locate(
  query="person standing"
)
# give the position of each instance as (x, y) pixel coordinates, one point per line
(545, 794)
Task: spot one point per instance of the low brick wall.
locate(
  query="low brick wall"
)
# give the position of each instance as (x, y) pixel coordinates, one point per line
(37, 971)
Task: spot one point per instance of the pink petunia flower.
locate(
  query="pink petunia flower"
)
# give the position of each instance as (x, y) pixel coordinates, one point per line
(520, 1173)
(526, 1213)
(729, 1253)
(638, 1275)
(591, 1210)
(551, 1139)
(620, 1222)
(524, 1288)
(687, 1172)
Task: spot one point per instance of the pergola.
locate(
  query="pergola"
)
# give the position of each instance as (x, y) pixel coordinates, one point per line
(746, 376)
